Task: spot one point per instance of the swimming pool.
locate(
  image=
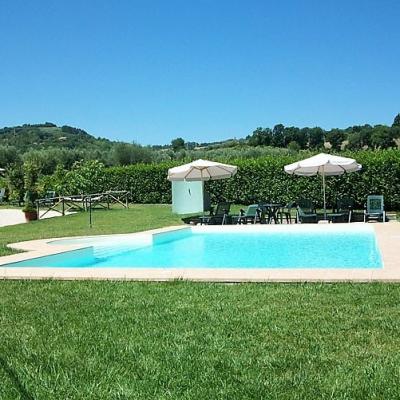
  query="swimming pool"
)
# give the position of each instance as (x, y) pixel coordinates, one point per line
(253, 247)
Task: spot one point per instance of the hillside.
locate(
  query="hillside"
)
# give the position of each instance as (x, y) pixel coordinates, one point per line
(48, 146)
(43, 136)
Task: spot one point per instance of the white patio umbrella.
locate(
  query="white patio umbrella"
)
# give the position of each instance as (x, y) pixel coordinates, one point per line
(201, 170)
(324, 165)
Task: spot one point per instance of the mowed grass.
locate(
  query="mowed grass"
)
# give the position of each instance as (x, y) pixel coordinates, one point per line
(181, 340)
(117, 220)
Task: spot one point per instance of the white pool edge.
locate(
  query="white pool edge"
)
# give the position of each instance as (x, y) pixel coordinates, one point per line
(388, 237)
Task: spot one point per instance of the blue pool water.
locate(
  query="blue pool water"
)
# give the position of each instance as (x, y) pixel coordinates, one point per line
(265, 249)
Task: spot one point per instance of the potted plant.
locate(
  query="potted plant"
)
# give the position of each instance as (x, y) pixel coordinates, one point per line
(31, 193)
(30, 207)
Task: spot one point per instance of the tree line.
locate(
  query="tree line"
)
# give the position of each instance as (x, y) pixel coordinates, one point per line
(353, 138)
(356, 137)
(49, 146)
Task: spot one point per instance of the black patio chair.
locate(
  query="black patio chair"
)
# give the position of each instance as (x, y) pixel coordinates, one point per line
(345, 206)
(306, 212)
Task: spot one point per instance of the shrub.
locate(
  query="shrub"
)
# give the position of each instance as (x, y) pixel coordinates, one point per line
(261, 179)
(15, 181)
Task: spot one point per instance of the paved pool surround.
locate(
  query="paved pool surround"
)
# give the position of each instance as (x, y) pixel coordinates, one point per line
(387, 234)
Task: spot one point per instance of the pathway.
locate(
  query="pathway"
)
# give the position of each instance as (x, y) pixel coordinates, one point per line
(10, 216)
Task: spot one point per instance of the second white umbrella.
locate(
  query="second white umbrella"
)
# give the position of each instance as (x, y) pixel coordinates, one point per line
(324, 165)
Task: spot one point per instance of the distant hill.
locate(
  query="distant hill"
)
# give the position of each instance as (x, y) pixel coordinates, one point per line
(43, 136)
(48, 135)
(65, 145)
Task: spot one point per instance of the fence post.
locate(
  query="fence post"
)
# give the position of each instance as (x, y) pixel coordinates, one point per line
(90, 211)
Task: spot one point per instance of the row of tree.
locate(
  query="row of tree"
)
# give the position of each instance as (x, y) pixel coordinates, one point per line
(48, 159)
(47, 146)
(353, 138)
(294, 138)
(356, 137)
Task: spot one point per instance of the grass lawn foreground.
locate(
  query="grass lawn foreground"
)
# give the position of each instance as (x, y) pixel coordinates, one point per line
(183, 340)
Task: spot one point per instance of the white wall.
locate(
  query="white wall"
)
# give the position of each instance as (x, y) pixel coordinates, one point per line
(187, 197)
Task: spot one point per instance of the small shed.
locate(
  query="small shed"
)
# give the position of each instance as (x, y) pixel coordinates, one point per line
(187, 197)
(188, 194)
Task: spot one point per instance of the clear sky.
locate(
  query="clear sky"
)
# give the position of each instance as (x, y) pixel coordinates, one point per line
(204, 70)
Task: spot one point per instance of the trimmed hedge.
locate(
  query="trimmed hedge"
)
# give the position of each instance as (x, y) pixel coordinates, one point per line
(264, 179)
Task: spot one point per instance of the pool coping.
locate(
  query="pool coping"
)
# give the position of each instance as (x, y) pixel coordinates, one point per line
(387, 234)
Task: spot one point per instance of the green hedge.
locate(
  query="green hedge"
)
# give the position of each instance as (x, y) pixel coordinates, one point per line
(266, 180)
(262, 179)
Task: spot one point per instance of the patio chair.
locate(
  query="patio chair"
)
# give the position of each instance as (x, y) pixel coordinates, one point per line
(251, 215)
(306, 212)
(207, 202)
(345, 206)
(286, 212)
(49, 198)
(213, 218)
(220, 216)
(375, 209)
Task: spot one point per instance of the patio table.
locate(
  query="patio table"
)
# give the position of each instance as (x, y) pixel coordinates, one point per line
(335, 217)
(271, 211)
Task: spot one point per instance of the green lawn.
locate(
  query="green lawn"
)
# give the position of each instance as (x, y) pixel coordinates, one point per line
(182, 340)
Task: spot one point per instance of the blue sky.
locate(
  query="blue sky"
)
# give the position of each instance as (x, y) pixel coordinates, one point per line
(150, 71)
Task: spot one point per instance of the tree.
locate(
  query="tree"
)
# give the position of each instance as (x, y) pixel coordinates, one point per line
(278, 139)
(8, 156)
(260, 137)
(15, 180)
(72, 130)
(86, 177)
(395, 132)
(177, 144)
(315, 138)
(354, 141)
(396, 121)
(126, 154)
(191, 145)
(382, 137)
(365, 134)
(293, 134)
(335, 137)
(293, 146)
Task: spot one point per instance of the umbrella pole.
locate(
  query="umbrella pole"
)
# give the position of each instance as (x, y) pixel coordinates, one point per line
(203, 198)
(323, 188)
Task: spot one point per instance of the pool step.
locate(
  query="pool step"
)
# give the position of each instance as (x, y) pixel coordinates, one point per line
(107, 250)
